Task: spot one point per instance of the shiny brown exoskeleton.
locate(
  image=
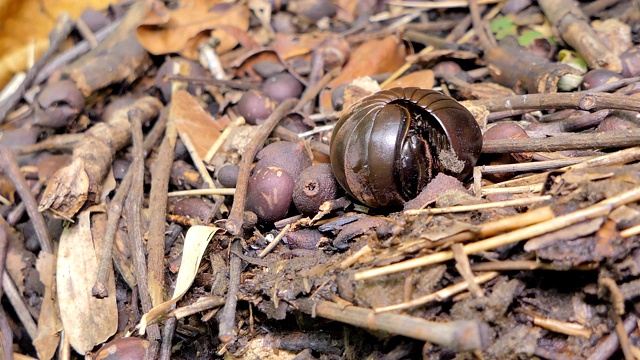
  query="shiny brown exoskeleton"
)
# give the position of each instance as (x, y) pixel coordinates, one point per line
(387, 147)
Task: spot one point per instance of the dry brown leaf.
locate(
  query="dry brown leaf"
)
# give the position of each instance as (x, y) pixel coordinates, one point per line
(25, 29)
(87, 320)
(181, 30)
(422, 79)
(49, 323)
(290, 45)
(371, 58)
(190, 118)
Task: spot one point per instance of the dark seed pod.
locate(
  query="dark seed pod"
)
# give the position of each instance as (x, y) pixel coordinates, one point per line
(255, 106)
(313, 187)
(268, 68)
(631, 62)
(291, 157)
(269, 194)
(123, 348)
(303, 239)
(228, 175)
(386, 148)
(297, 123)
(58, 104)
(194, 208)
(282, 86)
(599, 77)
(312, 10)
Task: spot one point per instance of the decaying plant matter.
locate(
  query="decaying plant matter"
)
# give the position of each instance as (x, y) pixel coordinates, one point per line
(326, 179)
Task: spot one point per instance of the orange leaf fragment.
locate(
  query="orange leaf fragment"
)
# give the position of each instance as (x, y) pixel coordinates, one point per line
(192, 119)
(176, 31)
(371, 58)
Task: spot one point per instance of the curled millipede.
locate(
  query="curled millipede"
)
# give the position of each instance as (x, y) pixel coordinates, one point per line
(388, 146)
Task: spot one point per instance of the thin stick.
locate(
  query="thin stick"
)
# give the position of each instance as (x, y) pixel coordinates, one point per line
(456, 335)
(582, 100)
(607, 347)
(427, 5)
(134, 221)
(312, 92)
(55, 142)
(73, 53)
(532, 166)
(478, 26)
(6, 341)
(474, 207)
(11, 169)
(623, 338)
(439, 295)
(234, 222)
(198, 192)
(601, 208)
(202, 304)
(275, 241)
(526, 265)
(160, 174)
(167, 338)
(15, 298)
(568, 141)
(227, 324)
(114, 211)
(86, 33)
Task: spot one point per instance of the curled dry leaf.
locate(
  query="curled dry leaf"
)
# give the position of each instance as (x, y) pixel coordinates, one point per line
(87, 320)
(175, 31)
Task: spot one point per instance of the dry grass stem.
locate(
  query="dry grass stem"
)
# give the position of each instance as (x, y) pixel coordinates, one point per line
(464, 268)
(491, 205)
(439, 295)
(618, 157)
(198, 192)
(562, 327)
(599, 209)
(352, 259)
(532, 166)
(222, 138)
(275, 241)
(513, 190)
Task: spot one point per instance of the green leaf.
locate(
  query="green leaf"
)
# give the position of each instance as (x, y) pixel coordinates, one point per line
(528, 36)
(503, 26)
